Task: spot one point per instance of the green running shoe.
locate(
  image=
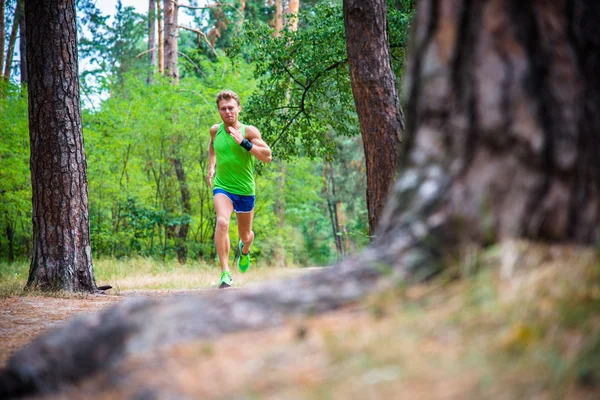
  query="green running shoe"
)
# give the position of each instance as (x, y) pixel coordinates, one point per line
(226, 280)
(243, 261)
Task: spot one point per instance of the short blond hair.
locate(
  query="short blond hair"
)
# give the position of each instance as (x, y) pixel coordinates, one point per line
(228, 95)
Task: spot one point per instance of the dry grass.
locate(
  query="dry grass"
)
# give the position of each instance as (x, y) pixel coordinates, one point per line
(144, 274)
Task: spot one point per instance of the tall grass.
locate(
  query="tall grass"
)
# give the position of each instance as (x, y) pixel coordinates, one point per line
(141, 274)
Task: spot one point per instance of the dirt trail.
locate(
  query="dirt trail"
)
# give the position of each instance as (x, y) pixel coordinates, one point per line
(22, 319)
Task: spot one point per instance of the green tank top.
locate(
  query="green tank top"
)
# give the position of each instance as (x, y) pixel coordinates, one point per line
(234, 170)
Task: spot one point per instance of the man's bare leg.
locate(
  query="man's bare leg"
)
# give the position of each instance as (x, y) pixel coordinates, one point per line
(244, 222)
(223, 209)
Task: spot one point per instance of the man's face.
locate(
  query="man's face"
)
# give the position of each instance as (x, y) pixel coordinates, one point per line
(229, 110)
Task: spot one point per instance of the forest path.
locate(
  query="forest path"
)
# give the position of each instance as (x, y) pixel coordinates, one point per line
(23, 318)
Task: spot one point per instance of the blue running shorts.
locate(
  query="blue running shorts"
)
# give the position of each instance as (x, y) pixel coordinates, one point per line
(241, 204)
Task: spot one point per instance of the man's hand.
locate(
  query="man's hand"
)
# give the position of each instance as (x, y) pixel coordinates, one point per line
(235, 134)
(209, 177)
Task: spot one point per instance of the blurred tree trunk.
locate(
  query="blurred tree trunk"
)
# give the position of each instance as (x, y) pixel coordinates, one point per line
(10, 51)
(242, 12)
(10, 237)
(62, 257)
(170, 39)
(504, 115)
(278, 18)
(2, 32)
(186, 210)
(161, 43)
(23, 45)
(374, 89)
(280, 201)
(294, 8)
(151, 38)
(332, 206)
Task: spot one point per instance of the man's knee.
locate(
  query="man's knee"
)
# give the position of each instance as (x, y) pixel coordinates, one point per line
(222, 223)
(246, 236)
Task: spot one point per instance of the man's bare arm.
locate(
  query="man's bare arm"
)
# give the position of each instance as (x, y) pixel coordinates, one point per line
(260, 149)
(212, 158)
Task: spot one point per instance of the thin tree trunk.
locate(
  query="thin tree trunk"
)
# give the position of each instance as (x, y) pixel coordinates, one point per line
(171, 36)
(280, 202)
(334, 210)
(376, 99)
(62, 257)
(242, 12)
(279, 206)
(331, 207)
(186, 208)
(151, 38)
(294, 8)
(10, 51)
(2, 32)
(161, 42)
(23, 45)
(10, 236)
(278, 17)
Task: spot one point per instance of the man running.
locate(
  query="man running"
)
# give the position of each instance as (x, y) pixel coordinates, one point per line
(231, 152)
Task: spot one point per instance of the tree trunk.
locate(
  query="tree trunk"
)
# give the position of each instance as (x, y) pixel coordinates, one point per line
(186, 208)
(62, 256)
(279, 208)
(504, 115)
(171, 36)
(242, 13)
(10, 51)
(294, 8)
(151, 38)
(332, 208)
(2, 32)
(161, 43)
(278, 17)
(374, 89)
(280, 201)
(10, 237)
(23, 45)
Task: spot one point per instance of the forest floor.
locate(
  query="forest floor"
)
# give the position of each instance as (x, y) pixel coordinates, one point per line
(523, 322)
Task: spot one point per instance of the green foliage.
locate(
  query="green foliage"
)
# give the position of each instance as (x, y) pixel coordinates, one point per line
(304, 94)
(221, 24)
(112, 49)
(15, 181)
(304, 97)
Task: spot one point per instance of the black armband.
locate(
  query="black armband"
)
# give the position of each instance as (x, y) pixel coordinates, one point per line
(246, 144)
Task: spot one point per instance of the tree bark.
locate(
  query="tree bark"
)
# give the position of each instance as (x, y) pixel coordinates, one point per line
(10, 237)
(151, 38)
(504, 115)
(294, 8)
(161, 42)
(186, 208)
(23, 44)
(10, 51)
(376, 99)
(171, 38)
(278, 17)
(62, 256)
(2, 32)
